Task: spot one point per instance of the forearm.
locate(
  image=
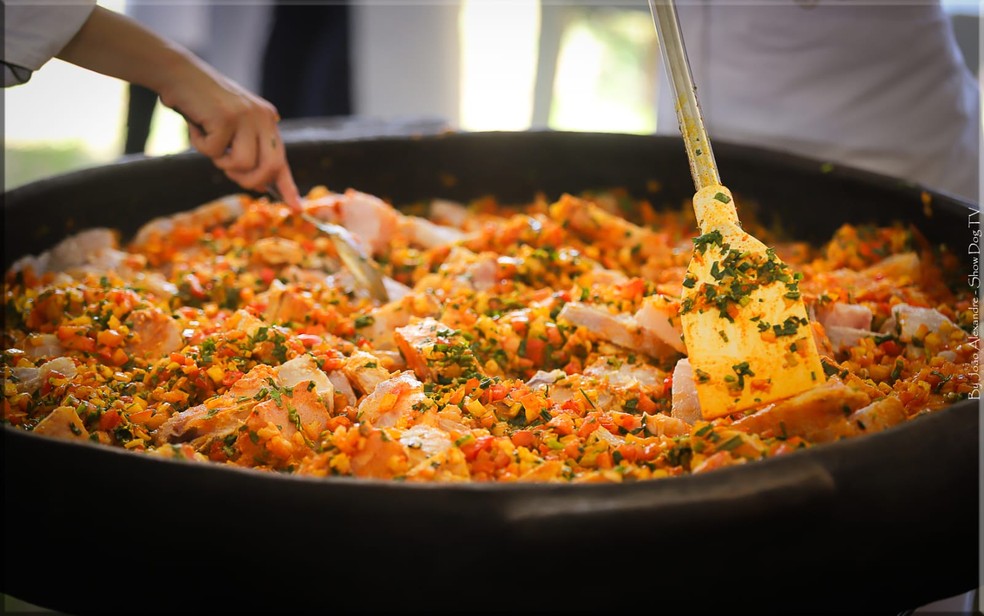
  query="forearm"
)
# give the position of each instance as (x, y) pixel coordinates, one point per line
(115, 45)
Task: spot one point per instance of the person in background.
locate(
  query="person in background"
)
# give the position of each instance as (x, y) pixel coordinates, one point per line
(234, 127)
(306, 63)
(881, 87)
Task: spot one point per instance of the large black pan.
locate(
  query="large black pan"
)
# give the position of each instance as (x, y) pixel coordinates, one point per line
(881, 523)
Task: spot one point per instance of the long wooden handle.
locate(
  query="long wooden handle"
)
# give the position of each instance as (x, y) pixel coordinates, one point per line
(703, 168)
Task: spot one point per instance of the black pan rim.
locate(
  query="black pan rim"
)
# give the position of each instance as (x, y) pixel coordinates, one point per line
(755, 152)
(820, 452)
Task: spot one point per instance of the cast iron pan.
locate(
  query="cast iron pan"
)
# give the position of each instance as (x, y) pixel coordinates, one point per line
(882, 523)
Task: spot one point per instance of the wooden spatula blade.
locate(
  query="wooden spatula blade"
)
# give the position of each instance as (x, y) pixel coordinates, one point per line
(745, 325)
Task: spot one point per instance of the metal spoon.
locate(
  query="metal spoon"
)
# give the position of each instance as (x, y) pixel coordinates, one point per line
(362, 267)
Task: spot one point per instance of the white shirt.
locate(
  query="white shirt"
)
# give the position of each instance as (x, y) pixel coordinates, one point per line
(877, 87)
(34, 32)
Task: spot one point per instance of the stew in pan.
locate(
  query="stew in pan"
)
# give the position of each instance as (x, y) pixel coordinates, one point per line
(534, 341)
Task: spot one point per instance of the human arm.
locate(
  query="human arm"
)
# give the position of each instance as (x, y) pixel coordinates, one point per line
(235, 128)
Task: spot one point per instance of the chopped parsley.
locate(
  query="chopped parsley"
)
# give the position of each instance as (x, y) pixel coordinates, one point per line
(364, 320)
(708, 239)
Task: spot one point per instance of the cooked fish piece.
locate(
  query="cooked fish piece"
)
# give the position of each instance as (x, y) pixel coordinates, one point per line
(286, 303)
(903, 268)
(435, 351)
(449, 213)
(302, 410)
(37, 346)
(62, 422)
(542, 378)
(393, 401)
(278, 251)
(381, 457)
(155, 333)
(422, 232)
(303, 369)
(200, 423)
(685, 404)
(463, 268)
(342, 386)
(877, 416)
(914, 322)
(207, 215)
(297, 393)
(364, 371)
(29, 380)
(621, 329)
(661, 315)
(423, 442)
(372, 221)
(622, 375)
(809, 414)
(842, 338)
(383, 320)
(95, 250)
(841, 314)
(659, 424)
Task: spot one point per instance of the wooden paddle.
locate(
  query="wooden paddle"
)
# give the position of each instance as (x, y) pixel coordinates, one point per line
(744, 324)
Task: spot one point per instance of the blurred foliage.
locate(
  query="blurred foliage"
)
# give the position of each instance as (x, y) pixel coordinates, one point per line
(607, 70)
(24, 164)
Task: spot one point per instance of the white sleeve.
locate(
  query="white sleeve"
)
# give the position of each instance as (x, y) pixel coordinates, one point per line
(34, 33)
(877, 86)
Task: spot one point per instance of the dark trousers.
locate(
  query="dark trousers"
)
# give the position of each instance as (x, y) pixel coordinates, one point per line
(139, 113)
(306, 65)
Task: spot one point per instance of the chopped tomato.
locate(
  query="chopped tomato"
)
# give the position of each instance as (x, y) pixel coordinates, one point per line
(628, 452)
(604, 460)
(646, 404)
(890, 347)
(308, 340)
(74, 337)
(230, 377)
(634, 288)
(523, 438)
(495, 392)
(267, 275)
(472, 448)
(536, 350)
(562, 424)
(110, 419)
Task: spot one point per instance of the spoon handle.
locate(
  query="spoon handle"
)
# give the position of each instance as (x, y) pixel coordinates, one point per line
(703, 168)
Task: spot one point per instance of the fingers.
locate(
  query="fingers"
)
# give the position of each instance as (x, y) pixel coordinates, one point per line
(246, 145)
(213, 143)
(235, 128)
(270, 168)
(242, 155)
(288, 189)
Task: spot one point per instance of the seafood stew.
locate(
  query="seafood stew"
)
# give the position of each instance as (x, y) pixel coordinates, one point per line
(523, 342)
